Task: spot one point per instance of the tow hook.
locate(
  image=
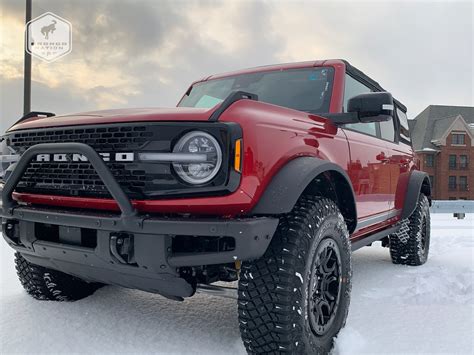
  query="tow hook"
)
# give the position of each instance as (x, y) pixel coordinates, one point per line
(121, 247)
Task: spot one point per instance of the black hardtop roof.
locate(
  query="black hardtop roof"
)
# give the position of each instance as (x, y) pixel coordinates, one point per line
(361, 76)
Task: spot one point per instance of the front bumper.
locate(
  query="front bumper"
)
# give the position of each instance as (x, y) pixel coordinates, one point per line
(155, 264)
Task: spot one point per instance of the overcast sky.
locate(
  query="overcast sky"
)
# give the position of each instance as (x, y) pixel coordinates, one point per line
(146, 53)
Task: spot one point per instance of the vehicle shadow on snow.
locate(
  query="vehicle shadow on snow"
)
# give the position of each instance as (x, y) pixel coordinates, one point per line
(120, 320)
(115, 319)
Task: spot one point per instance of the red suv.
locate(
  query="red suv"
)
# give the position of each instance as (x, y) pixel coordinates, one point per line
(267, 176)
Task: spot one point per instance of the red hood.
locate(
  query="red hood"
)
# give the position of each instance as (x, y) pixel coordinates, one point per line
(117, 116)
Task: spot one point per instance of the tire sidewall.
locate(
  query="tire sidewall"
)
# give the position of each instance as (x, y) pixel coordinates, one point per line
(424, 213)
(332, 227)
(406, 245)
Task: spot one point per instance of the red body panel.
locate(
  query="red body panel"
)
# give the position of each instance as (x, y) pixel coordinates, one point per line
(272, 136)
(301, 134)
(117, 116)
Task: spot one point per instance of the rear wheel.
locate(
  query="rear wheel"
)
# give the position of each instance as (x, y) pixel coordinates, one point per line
(295, 299)
(411, 244)
(50, 285)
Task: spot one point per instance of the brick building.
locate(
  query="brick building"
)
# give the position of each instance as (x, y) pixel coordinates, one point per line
(443, 139)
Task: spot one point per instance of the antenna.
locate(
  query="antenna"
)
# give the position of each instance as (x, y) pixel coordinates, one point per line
(27, 68)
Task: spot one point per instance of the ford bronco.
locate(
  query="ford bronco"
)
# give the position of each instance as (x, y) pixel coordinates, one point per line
(268, 177)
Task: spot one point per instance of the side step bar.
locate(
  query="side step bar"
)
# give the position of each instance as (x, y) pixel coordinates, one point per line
(373, 238)
(231, 292)
(220, 291)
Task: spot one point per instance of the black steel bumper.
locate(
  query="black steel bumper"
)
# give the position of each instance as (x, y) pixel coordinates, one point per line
(154, 266)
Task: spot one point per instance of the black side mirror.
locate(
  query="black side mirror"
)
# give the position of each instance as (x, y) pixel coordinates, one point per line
(372, 107)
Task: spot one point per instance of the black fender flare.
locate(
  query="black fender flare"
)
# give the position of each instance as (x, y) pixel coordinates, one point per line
(289, 183)
(418, 182)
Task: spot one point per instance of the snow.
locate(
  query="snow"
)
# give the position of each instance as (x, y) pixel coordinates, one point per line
(394, 309)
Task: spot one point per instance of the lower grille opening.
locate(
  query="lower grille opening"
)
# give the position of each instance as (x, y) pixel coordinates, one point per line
(83, 237)
(201, 244)
(47, 232)
(88, 238)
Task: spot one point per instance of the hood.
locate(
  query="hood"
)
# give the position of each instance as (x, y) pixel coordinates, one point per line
(117, 116)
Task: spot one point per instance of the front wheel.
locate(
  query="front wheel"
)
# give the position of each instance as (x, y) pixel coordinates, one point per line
(50, 285)
(296, 297)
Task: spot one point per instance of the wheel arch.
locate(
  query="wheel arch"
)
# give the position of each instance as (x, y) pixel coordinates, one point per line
(308, 175)
(418, 182)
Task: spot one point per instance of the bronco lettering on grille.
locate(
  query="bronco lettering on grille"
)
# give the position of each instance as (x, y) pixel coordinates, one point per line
(125, 157)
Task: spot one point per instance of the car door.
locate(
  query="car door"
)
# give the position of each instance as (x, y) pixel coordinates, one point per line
(401, 157)
(369, 168)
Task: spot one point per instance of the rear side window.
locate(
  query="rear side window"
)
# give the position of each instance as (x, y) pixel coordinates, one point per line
(353, 88)
(404, 129)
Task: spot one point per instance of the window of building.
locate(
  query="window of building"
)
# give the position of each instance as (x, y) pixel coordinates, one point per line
(452, 161)
(463, 162)
(452, 183)
(463, 183)
(429, 160)
(353, 88)
(458, 138)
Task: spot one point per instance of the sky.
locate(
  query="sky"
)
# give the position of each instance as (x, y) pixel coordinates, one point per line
(146, 53)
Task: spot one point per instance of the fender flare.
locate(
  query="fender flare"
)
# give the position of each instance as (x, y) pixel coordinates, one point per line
(288, 184)
(418, 182)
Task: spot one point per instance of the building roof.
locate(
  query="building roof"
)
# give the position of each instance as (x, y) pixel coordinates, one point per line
(441, 126)
(433, 122)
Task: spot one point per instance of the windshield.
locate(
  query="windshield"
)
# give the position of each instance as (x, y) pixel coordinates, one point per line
(300, 89)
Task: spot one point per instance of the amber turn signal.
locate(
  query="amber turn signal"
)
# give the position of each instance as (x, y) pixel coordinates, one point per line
(238, 155)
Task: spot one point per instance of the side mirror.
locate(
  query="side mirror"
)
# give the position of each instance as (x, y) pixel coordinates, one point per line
(372, 107)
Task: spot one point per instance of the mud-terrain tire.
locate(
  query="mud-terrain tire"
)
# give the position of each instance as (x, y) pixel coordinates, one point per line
(50, 285)
(279, 293)
(411, 244)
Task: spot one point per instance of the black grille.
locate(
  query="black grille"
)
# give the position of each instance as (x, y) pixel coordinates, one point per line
(80, 179)
(139, 180)
(100, 138)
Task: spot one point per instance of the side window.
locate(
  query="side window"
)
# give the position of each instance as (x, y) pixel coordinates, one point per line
(353, 88)
(387, 130)
(404, 128)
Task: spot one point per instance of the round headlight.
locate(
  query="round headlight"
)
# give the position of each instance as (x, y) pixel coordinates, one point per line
(199, 143)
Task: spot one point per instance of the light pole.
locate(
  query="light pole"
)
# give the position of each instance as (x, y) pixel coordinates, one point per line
(27, 68)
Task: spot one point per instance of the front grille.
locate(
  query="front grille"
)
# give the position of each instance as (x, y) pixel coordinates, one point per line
(80, 179)
(139, 180)
(103, 139)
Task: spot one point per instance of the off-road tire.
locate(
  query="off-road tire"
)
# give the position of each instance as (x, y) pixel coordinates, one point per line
(411, 244)
(50, 285)
(274, 291)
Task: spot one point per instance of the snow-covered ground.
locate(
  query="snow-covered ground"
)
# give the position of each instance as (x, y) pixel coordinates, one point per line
(394, 309)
